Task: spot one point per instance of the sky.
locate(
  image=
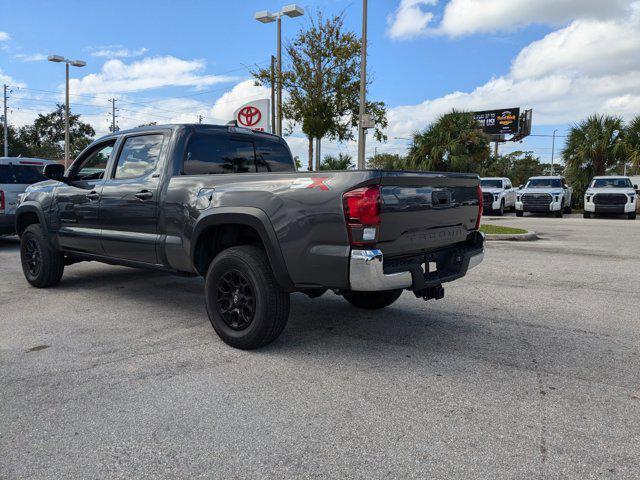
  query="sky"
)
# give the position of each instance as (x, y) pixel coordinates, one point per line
(173, 61)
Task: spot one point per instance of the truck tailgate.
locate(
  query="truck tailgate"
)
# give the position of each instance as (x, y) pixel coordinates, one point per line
(423, 211)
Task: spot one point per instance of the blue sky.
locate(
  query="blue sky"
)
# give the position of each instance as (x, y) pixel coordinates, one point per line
(170, 61)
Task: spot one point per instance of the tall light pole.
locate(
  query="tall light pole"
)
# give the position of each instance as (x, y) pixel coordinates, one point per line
(553, 151)
(265, 16)
(75, 63)
(5, 123)
(363, 90)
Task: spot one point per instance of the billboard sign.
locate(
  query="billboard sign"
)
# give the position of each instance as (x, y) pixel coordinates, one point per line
(499, 122)
(254, 115)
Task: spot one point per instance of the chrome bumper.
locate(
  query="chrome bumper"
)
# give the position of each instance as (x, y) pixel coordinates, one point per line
(366, 272)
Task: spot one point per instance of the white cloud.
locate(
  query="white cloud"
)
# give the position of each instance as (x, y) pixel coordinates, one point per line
(34, 57)
(410, 19)
(588, 66)
(148, 73)
(4, 36)
(465, 17)
(222, 110)
(116, 51)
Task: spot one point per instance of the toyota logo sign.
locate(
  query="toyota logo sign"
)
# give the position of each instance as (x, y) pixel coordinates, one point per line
(254, 115)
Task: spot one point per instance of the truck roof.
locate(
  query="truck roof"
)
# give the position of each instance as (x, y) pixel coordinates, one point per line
(610, 176)
(197, 126)
(546, 176)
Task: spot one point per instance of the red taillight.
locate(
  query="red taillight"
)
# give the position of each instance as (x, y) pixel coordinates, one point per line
(362, 213)
(1, 201)
(480, 207)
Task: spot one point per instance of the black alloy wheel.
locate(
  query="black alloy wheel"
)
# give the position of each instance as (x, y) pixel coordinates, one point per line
(236, 300)
(32, 257)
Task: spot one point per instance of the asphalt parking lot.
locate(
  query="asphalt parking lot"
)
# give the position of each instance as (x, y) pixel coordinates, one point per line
(528, 368)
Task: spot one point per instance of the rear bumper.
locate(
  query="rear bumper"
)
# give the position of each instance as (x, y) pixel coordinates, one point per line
(7, 224)
(369, 273)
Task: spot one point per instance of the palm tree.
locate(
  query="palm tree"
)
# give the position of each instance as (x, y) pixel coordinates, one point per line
(632, 141)
(593, 147)
(454, 142)
(342, 162)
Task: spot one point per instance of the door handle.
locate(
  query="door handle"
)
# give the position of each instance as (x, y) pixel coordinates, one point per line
(93, 195)
(144, 195)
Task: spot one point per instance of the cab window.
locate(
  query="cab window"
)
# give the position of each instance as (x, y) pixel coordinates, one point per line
(92, 167)
(209, 153)
(139, 156)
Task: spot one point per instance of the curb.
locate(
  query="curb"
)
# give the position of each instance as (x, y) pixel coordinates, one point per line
(514, 237)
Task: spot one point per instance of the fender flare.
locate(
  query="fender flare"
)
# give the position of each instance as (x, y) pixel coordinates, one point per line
(259, 221)
(32, 207)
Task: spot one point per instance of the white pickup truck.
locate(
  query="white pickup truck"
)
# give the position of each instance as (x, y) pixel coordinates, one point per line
(615, 195)
(549, 194)
(498, 194)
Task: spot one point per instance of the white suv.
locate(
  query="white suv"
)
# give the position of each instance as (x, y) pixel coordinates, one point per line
(611, 195)
(498, 194)
(16, 174)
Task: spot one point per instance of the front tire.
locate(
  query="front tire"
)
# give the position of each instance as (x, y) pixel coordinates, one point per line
(246, 306)
(372, 300)
(586, 215)
(500, 211)
(42, 266)
(519, 213)
(631, 215)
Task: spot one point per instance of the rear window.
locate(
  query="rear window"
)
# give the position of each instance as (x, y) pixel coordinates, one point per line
(214, 153)
(21, 174)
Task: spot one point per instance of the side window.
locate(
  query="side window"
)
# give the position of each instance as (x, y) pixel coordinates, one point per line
(272, 156)
(139, 156)
(209, 153)
(92, 167)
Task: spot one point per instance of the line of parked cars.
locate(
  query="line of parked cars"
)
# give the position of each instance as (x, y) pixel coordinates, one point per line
(552, 194)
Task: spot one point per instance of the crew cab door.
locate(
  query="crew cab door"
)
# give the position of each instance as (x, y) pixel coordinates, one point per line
(75, 212)
(129, 200)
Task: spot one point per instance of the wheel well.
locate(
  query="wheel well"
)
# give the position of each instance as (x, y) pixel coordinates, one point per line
(217, 238)
(26, 219)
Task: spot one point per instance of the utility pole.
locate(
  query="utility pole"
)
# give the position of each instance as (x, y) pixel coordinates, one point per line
(273, 94)
(114, 126)
(495, 150)
(5, 123)
(363, 88)
(200, 117)
(553, 151)
(317, 154)
(279, 21)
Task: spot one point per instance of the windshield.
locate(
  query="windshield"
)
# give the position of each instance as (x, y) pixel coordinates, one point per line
(544, 183)
(21, 174)
(611, 183)
(491, 183)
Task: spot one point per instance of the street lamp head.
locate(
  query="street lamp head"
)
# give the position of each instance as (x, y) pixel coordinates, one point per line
(55, 58)
(264, 16)
(78, 63)
(293, 10)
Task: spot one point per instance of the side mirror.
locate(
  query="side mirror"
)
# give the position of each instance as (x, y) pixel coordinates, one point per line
(54, 171)
(635, 186)
(520, 187)
(565, 186)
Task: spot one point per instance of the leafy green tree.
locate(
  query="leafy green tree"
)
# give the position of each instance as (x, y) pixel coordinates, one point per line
(17, 147)
(517, 166)
(342, 162)
(595, 146)
(45, 137)
(322, 80)
(454, 142)
(386, 161)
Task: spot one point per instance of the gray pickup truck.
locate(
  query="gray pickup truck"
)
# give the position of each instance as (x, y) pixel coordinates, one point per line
(228, 204)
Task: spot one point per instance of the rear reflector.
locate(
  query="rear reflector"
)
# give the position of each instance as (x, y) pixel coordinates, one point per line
(362, 210)
(480, 206)
(1, 201)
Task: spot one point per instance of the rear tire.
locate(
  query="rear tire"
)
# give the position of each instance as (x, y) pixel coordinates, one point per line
(372, 300)
(246, 306)
(519, 213)
(586, 215)
(631, 215)
(42, 266)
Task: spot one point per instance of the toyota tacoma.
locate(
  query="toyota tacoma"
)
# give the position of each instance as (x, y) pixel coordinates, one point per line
(227, 204)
